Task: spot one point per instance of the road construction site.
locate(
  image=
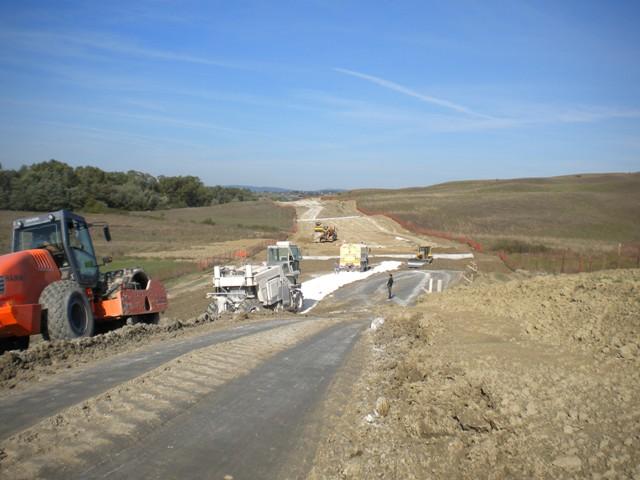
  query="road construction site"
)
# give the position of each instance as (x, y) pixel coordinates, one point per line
(448, 378)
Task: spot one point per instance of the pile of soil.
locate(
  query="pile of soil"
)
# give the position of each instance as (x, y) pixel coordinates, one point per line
(598, 310)
(532, 378)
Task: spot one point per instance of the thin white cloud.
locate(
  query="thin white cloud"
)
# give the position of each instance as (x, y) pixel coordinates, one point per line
(407, 91)
(590, 115)
(79, 42)
(136, 116)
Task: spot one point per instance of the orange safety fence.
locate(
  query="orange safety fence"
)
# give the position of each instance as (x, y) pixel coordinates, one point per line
(568, 261)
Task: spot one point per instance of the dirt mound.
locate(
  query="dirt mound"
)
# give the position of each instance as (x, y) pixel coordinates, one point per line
(475, 391)
(599, 310)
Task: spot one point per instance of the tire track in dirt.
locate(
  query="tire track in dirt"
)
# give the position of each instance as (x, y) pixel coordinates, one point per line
(121, 416)
(66, 390)
(249, 427)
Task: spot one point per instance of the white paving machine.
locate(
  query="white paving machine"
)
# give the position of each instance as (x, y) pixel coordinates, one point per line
(246, 288)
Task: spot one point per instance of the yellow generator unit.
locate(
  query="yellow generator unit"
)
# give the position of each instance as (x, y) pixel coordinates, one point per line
(354, 256)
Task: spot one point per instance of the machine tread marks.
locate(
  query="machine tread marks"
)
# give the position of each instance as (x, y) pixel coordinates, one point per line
(68, 312)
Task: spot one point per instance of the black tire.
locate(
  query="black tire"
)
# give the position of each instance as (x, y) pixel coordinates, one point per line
(68, 314)
(13, 343)
(211, 313)
(296, 301)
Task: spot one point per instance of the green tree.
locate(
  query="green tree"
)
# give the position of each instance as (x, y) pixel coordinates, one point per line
(53, 185)
(43, 186)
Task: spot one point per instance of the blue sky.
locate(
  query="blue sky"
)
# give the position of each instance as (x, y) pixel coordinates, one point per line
(315, 94)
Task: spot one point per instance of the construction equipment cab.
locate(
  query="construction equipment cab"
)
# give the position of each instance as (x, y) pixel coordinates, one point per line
(66, 237)
(288, 255)
(51, 283)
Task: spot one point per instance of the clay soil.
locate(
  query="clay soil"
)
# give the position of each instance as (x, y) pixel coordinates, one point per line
(536, 377)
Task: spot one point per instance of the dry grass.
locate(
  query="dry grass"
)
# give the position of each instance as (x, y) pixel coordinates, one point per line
(580, 211)
(150, 239)
(176, 229)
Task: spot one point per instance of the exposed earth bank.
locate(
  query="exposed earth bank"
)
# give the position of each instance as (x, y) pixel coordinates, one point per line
(530, 378)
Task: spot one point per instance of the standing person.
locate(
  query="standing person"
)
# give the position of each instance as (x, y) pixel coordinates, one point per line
(390, 284)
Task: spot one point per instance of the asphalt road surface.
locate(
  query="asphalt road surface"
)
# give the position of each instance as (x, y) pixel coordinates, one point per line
(244, 429)
(407, 287)
(21, 410)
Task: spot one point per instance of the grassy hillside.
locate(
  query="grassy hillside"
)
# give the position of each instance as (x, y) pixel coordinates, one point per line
(560, 224)
(148, 238)
(579, 210)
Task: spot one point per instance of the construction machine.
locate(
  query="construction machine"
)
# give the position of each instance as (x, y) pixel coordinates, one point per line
(51, 283)
(423, 257)
(324, 233)
(272, 285)
(354, 256)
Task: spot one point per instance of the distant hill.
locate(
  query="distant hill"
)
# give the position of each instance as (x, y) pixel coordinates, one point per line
(255, 189)
(577, 210)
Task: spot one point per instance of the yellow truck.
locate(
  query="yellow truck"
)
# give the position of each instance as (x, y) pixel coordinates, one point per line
(354, 256)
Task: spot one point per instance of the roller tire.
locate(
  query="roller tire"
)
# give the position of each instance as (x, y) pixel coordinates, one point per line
(68, 314)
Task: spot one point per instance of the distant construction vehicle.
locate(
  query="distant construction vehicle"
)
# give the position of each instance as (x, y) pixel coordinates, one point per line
(324, 233)
(249, 287)
(52, 284)
(423, 257)
(354, 256)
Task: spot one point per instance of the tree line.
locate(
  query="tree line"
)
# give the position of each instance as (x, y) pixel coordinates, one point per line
(53, 185)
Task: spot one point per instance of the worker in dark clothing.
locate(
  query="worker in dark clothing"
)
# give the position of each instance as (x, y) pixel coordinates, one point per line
(390, 284)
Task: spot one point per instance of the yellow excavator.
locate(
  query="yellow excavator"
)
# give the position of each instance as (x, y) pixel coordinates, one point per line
(324, 233)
